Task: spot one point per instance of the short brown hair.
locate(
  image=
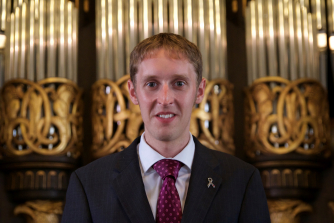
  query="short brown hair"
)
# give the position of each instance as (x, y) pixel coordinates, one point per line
(174, 44)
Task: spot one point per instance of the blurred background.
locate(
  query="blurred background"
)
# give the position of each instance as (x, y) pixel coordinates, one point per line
(269, 98)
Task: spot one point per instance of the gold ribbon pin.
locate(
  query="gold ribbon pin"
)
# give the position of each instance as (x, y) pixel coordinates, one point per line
(210, 183)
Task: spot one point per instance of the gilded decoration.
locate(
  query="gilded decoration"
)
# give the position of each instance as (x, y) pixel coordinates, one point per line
(331, 207)
(212, 122)
(117, 121)
(290, 178)
(41, 211)
(285, 116)
(43, 118)
(37, 179)
(286, 210)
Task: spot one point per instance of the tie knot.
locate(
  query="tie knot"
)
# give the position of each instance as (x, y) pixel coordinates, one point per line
(167, 167)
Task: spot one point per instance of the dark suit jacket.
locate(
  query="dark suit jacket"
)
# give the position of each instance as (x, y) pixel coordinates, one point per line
(111, 189)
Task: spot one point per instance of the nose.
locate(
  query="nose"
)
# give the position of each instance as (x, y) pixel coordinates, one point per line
(165, 96)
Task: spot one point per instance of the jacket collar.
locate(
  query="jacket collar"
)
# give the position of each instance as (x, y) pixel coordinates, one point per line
(200, 196)
(128, 184)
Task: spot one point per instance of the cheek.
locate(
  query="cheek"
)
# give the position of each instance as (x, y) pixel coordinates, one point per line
(145, 103)
(187, 103)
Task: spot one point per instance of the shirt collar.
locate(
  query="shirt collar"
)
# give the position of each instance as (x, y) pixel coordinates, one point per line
(149, 156)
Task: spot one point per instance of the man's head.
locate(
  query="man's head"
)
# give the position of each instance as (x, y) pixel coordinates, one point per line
(166, 82)
(174, 45)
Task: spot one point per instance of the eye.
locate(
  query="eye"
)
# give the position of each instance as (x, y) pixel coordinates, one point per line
(151, 84)
(179, 83)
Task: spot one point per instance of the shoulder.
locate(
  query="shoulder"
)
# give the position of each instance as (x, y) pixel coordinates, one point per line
(108, 164)
(224, 163)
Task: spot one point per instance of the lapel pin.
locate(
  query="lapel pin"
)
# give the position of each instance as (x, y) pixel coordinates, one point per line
(210, 183)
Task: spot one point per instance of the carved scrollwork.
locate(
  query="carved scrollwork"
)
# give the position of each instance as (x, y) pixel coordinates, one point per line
(331, 207)
(117, 121)
(286, 210)
(290, 178)
(37, 179)
(41, 211)
(43, 118)
(212, 121)
(284, 117)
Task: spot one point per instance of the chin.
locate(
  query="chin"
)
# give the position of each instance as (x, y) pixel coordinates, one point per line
(165, 137)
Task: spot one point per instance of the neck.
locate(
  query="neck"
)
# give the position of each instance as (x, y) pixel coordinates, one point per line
(168, 149)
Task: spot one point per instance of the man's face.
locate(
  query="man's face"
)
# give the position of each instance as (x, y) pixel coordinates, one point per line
(166, 91)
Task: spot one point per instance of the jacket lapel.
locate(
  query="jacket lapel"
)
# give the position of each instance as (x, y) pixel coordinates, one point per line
(199, 196)
(129, 186)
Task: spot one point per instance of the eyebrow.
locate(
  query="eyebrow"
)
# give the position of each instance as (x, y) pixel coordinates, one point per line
(174, 76)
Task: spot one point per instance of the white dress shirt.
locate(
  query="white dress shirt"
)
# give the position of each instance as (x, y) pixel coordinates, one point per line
(152, 180)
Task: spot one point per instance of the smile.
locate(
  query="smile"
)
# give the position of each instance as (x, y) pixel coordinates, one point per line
(166, 116)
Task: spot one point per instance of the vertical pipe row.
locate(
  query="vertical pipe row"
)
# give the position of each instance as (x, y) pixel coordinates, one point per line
(188, 19)
(42, 40)
(292, 53)
(260, 38)
(75, 43)
(307, 64)
(283, 56)
(69, 40)
(11, 41)
(299, 41)
(281, 40)
(122, 24)
(271, 30)
(110, 31)
(223, 50)
(23, 40)
(202, 38)
(98, 23)
(61, 52)
(40, 46)
(120, 65)
(30, 51)
(219, 69)
(16, 42)
(253, 47)
(3, 15)
(212, 46)
(51, 68)
(248, 34)
(117, 33)
(7, 50)
(133, 27)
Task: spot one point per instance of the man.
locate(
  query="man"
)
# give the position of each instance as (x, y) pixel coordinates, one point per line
(166, 175)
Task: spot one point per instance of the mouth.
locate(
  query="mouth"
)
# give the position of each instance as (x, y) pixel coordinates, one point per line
(166, 115)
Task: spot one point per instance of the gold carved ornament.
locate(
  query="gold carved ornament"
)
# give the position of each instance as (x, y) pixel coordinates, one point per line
(331, 206)
(43, 117)
(284, 117)
(286, 210)
(41, 211)
(117, 121)
(212, 121)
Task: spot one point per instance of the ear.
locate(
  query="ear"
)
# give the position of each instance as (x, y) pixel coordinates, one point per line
(200, 91)
(132, 92)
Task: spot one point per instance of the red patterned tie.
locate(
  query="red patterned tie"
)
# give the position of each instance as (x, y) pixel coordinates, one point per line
(169, 204)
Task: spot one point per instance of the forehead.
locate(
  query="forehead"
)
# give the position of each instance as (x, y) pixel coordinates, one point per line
(165, 69)
(164, 62)
(163, 52)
